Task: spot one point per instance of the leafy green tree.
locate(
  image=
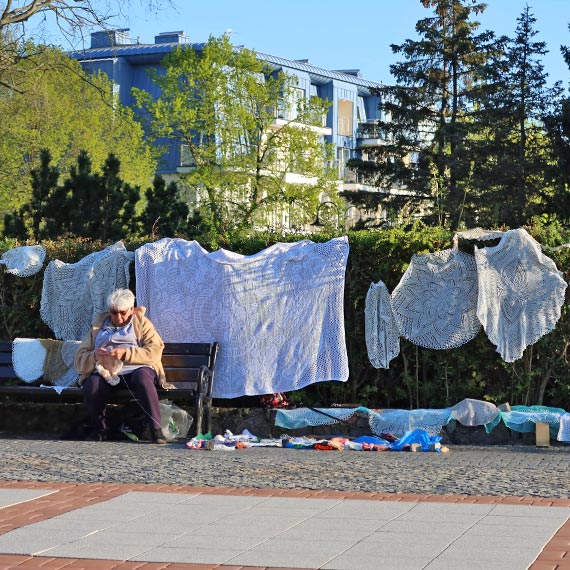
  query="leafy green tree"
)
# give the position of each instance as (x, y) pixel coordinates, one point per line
(65, 111)
(99, 206)
(427, 115)
(165, 213)
(512, 150)
(249, 132)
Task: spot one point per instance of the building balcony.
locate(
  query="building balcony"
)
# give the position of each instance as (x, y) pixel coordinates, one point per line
(369, 134)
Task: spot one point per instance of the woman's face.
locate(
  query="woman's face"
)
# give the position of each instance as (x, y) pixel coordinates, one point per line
(120, 318)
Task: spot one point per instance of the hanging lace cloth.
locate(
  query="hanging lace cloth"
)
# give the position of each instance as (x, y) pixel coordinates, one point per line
(435, 303)
(381, 331)
(24, 261)
(73, 293)
(521, 293)
(278, 314)
(28, 356)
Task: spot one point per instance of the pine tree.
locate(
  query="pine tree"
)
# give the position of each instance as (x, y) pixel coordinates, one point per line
(165, 214)
(427, 114)
(511, 148)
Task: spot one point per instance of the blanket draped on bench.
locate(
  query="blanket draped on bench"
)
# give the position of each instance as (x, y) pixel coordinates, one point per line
(278, 314)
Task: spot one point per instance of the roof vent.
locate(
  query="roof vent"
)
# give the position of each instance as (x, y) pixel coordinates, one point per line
(171, 38)
(355, 72)
(110, 38)
(303, 60)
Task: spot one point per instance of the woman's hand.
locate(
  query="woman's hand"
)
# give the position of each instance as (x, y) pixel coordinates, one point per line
(118, 353)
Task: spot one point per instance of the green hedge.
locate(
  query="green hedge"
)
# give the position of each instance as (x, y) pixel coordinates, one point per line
(417, 378)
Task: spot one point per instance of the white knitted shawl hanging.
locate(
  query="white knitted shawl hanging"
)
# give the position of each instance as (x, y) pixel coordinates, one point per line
(381, 331)
(73, 293)
(24, 261)
(278, 314)
(435, 302)
(521, 293)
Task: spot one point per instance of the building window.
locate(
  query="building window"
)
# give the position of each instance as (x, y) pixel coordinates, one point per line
(186, 158)
(345, 114)
(343, 155)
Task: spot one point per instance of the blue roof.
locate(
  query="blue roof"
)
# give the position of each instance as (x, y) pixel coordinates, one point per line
(141, 50)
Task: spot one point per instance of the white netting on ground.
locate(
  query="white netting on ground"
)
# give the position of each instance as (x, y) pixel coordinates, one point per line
(521, 293)
(398, 422)
(470, 412)
(304, 417)
(381, 331)
(24, 261)
(435, 303)
(278, 314)
(564, 430)
(73, 292)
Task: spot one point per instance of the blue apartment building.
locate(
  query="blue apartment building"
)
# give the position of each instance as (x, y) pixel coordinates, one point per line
(349, 124)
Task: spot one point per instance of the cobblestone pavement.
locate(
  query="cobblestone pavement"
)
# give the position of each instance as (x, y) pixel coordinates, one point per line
(516, 471)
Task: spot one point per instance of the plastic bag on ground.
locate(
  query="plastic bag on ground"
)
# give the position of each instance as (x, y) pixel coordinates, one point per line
(175, 421)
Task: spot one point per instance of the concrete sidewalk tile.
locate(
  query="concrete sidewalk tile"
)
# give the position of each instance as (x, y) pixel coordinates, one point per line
(302, 547)
(316, 524)
(12, 496)
(474, 564)
(361, 562)
(284, 559)
(231, 542)
(296, 533)
(470, 541)
(24, 541)
(411, 549)
(96, 551)
(197, 555)
(222, 529)
(459, 553)
(500, 520)
(435, 509)
(293, 503)
(112, 537)
(531, 511)
(420, 527)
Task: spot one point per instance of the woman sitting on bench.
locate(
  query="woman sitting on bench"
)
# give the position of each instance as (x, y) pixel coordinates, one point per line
(122, 351)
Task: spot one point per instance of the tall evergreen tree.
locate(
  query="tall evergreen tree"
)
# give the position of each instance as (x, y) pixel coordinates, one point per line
(165, 214)
(511, 147)
(427, 114)
(92, 205)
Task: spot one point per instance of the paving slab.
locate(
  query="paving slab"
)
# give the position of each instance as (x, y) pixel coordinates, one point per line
(225, 528)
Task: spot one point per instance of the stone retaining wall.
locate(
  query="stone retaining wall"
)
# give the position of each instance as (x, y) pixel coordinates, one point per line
(24, 418)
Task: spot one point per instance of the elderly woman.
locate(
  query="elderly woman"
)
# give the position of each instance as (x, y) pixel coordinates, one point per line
(123, 335)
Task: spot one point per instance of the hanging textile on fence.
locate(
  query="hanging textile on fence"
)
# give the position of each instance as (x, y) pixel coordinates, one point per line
(521, 293)
(24, 261)
(73, 293)
(435, 303)
(278, 314)
(381, 331)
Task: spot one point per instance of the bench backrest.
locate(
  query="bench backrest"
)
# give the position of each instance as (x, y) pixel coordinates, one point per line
(182, 361)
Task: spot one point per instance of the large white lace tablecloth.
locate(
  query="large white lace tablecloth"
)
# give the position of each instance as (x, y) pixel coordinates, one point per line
(521, 293)
(278, 314)
(381, 331)
(435, 303)
(73, 293)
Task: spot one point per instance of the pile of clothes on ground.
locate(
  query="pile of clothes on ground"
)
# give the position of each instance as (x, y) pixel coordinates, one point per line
(413, 440)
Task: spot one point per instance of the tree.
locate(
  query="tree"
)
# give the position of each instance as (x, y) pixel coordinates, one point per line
(512, 149)
(64, 111)
(165, 213)
(22, 19)
(91, 205)
(247, 129)
(427, 114)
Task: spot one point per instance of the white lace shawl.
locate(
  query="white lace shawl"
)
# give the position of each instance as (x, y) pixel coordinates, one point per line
(521, 293)
(278, 314)
(73, 293)
(436, 300)
(25, 260)
(381, 331)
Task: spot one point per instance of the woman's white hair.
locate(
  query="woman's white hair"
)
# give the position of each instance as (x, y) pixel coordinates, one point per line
(121, 299)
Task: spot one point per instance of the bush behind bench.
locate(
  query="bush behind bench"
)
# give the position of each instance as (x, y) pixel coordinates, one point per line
(417, 378)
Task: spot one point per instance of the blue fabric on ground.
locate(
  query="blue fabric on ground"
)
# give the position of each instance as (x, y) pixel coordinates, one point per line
(415, 436)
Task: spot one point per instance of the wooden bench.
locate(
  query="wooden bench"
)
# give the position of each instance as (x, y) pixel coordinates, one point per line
(189, 366)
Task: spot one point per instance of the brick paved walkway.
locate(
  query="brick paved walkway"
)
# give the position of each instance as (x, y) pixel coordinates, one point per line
(68, 497)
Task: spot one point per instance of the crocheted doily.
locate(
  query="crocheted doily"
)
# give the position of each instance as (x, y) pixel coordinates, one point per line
(521, 293)
(435, 302)
(381, 331)
(28, 356)
(24, 261)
